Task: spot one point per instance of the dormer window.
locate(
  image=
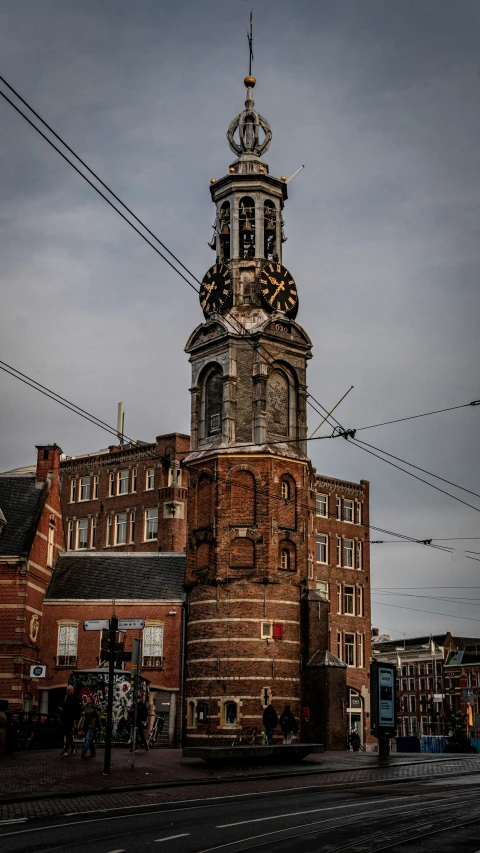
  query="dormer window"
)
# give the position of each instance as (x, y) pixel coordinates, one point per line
(246, 212)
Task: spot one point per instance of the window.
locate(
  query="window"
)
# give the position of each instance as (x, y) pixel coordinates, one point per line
(348, 553)
(108, 538)
(404, 670)
(359, 600)
(93, 534)
(322, 553)
(339, 509)
(224, 231)
(266, 630)
(411, 669)
(339, 598)
(230, 709)
(246, 212)
(153, 645)
(111, 485)
(413, 703)
(121, 528)
(82, 534)
(284, 559)
(430, 684)
(67, 645)
(151, 524)
(360, 650)
(413, 722)
(423, 683)
(339, 645)
(73, 491)
(175, 477)
(350, 649)
(358, 512)
(285, 490)
(339, 552)
(421, 669)
(122, 488)
(348, 510)
(95, 486)
(358, 552)
(349, 600)
(84, 488)
(321, 505)
(149, 479)
(269, 229)
(134, 479)
(411, 684)
(70, 536)
(322, 588)
(310, 566)
(213, 396)
(203, 712)
(51, 541)
(132, 527)
(425, 725)
(404, 684)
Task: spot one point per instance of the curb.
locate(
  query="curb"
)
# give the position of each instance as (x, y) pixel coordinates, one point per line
(149, 786)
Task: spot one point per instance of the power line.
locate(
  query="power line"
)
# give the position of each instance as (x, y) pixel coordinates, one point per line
(438, 489)
(424, 415)
(432, 612)
(381, 591)
(437, 477)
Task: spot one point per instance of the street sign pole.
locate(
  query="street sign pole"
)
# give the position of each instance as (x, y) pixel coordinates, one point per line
(111, 674)
(136, 669)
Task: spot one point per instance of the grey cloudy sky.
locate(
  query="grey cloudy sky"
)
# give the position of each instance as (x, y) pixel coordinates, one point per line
(381, 100)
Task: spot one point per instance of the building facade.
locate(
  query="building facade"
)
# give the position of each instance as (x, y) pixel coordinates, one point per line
(129, 498)
(31, 537)
(254, 526)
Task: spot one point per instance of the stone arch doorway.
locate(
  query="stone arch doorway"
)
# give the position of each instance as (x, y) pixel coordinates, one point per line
(355, 713)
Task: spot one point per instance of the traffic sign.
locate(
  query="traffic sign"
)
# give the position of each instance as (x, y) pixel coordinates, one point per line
(131, 624)
(96, 625)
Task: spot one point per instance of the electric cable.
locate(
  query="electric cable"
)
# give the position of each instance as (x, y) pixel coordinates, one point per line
(432, 612)
(413, 417)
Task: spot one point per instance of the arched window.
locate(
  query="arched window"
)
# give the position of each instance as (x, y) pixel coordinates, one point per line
(230, 711)
(246, 212)
(284, 559)
(287, 506)
(242, 553)
(278, 403)
(285, 490)
(269, 230)
(286, 556)
(213, 402)
(224, 231)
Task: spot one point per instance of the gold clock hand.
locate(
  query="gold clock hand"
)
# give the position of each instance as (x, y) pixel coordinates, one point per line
(280, 287)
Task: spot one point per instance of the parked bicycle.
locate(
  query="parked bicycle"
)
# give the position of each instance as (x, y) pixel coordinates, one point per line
(254, 739)
(156, 732)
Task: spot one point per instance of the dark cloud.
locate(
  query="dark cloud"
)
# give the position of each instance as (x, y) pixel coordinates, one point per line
(380, 100)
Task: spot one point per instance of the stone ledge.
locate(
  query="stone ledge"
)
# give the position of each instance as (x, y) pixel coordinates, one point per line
(289, 753)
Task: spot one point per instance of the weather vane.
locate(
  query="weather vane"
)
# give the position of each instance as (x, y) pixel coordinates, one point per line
(250, 44)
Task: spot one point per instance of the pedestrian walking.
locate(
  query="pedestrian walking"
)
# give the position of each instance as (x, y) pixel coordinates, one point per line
(90, 725)
(71, 711)
(142, 719)
(270, 722)
(288, 724)
(354, 740)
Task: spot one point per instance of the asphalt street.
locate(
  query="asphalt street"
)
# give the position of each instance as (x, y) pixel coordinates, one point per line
(427, 815)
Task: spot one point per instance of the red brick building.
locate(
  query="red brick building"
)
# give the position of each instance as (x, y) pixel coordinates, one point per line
(31, 536)
(145, 586)
(129, 498)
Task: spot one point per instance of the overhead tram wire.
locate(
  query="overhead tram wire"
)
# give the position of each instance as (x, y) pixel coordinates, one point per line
(413, 417)
(418, 610)
(308, 396)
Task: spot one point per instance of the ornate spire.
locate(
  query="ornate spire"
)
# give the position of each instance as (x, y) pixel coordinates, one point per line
(249, 123)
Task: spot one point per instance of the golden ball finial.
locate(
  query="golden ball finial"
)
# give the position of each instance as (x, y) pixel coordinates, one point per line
(231, 170)
(250, 81)
(213, 180)
(283, 178)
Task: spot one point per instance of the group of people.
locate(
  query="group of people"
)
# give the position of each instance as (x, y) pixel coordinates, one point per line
(87, 719)
(288, 723)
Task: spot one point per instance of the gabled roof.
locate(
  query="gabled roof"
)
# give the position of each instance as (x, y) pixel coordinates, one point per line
(120, 576)
(326, 658)
(21, 502)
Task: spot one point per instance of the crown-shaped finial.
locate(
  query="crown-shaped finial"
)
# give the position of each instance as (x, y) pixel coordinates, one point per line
(249, 123)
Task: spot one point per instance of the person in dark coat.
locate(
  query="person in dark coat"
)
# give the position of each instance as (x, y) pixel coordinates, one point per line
(71, 711)
(142, 720)
(354, 740)
(270, 721)
(288, 724)
(89, 725)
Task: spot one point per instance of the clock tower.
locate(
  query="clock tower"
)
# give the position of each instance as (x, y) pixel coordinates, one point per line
(250, 477)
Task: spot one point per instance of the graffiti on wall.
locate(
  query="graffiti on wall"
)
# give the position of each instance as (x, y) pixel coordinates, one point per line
(94, 683)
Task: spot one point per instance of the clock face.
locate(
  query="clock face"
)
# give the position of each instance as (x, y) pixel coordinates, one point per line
(279, 291)
(216, 289)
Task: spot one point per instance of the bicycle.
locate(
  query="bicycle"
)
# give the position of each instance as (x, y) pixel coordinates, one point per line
(255, 738)
(156, 732)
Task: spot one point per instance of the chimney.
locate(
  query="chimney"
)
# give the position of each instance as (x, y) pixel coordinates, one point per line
(48, 461)
(374, 632)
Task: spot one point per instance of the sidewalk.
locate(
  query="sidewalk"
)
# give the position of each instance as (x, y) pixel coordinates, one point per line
(41, 773)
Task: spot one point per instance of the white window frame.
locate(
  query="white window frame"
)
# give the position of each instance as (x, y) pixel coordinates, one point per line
(349, 646)
(348, 509)
(73, 491)
(358, 554)
(339, 645)
(339, 508)
(96, 479)
(153, 647)
(123, 477)
(339, 551)
(70, 541)
(412, 703)
(358, 512)
(93, 533)
(121, 524)
(150, 534)
(323, 588)
(226, 723)
(339, 598)
(132, 527)
(348, 553)
(108, 536)
(175, 477)
(321, 548)
(149, 479)
(359, 603)
(284, 559)
(134, 480)
(81, 525)
(67, 644)
(360, 653)
(111, 484)
(285, 490)
(321, 501)
(266, 630)
(85, 488)
(349, 600)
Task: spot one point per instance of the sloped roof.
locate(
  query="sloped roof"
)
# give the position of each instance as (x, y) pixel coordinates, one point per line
(21, 502)
(122, 576)
(326, 658)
